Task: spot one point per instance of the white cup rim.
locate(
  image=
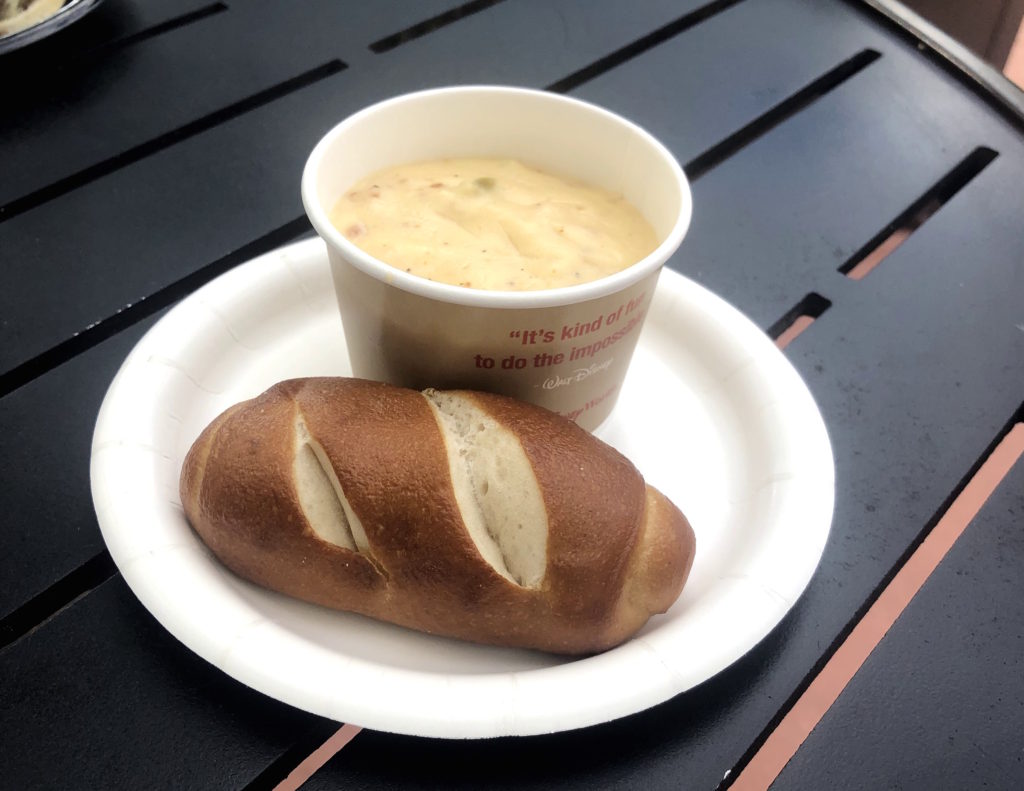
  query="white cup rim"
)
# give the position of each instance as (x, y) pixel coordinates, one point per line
(458, 295)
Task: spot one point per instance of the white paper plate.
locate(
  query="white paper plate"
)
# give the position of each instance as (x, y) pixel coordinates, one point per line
(711, 413)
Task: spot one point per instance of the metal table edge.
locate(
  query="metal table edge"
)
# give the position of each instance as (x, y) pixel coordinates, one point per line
(956, 58)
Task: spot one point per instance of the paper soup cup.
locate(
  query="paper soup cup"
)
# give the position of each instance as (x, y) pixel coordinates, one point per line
(564, 348)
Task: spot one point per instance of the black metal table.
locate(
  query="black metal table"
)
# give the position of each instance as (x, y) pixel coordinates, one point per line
(846, 170)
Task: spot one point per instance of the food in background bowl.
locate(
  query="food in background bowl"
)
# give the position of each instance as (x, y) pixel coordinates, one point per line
(17, 15)
(493, 224)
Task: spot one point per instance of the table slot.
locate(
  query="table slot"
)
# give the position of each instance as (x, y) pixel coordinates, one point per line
(180, 20)
(200, 68)
(430, 25)
(785, 213)
(209, 64)
(127, 316)
(662, 34)
(155, 714)
(900, 229)
(41, 607)
(49, 554)
(298, 764)
(50, 541)
(201, 59)
(789, 107)
(108, 49)
(941, 689)
(798, 319)
(899, 467)
(696, 90)
(893, 129)
(166, 140)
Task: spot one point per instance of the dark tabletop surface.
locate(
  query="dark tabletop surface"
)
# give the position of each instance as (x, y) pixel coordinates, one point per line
(150, 147)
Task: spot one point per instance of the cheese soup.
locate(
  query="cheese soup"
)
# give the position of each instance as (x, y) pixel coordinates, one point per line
(492, 224)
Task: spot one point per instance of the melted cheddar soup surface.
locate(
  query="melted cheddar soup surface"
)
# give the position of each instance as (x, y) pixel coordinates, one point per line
(492, 224)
